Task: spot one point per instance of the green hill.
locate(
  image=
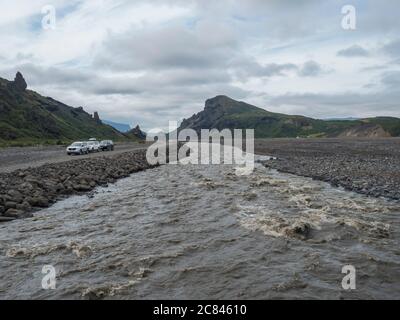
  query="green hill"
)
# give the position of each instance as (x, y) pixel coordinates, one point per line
(223, 112)
(27, 118)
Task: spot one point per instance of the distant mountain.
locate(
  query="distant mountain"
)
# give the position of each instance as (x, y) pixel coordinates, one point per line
(341, 119)
(121, 127)
(223, 112)
(136, 132)
(26, 117)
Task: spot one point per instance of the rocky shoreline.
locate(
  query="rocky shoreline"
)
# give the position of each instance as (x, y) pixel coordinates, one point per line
(370, 167)
(25, 191)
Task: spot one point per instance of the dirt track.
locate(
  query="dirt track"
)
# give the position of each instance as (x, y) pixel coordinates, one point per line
(21, 158)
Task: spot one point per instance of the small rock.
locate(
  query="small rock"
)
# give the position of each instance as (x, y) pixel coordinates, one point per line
(40, 202)
(21, 174)
(15, 195)
(60, 187)
(14, 213)
(6, 219)
(25, 206)
(26, 186)
(10, 205)
(82, 187)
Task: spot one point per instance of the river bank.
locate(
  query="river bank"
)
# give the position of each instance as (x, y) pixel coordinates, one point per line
(366, 166)
(24, 191)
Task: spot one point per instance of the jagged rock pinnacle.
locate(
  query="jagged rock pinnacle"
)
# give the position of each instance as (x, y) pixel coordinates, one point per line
(19, 82)
(137, 132)
(96, 116)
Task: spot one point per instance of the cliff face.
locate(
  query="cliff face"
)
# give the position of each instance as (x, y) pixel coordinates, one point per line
(365, 131)
(223, 112)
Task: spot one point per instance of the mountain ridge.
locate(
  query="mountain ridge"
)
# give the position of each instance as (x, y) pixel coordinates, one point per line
(26, 118)
(223, 112)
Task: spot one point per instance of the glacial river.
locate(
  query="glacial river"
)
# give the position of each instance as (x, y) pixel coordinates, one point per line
(202, 232)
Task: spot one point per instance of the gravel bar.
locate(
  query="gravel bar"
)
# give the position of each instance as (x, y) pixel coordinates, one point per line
(366, 166)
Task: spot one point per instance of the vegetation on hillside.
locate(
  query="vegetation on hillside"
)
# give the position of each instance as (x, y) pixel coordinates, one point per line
(27, 118)
(223, 112)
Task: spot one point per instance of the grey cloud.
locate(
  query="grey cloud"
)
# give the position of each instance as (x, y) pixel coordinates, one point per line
(85, 82)
(114, 86)
(353, 51)
(169, 81)
(178, 81)
(375, 67)
(391, 79)
(272, 19)
(276, 69)
(392, 48)
(310, 69)
(246, 67)
(207, 45)
(380, 18)
(273, 69)
(37, 75)
(343, 104)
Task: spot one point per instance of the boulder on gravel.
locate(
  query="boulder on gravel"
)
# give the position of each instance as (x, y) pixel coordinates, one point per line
(25, 206)
(10, 205)
(6, 219)
(17, 214)
(15, 195)
(40, 202)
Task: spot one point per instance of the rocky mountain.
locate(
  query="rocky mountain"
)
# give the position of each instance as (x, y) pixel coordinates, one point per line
(223, 112)
(137, 132)
(27, 117)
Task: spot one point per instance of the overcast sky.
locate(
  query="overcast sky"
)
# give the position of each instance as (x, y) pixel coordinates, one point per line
(148, 62)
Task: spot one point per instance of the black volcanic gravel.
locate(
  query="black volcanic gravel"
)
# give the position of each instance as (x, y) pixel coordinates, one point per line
(366, 166)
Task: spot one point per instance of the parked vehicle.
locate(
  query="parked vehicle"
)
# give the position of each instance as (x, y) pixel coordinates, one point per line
(107, 145)
(78, 148)
(94, 146)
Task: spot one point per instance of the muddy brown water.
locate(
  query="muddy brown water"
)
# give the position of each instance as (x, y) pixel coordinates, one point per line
(202, 232)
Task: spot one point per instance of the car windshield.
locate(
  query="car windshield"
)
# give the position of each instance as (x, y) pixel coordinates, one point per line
(77, 144)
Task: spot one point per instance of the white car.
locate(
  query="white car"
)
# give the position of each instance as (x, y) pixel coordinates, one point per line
(78, 148)
(93, 146)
